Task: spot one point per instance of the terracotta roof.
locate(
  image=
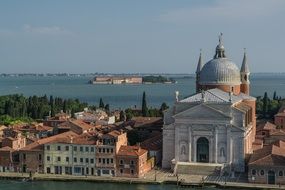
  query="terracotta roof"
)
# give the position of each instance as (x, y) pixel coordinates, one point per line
(273, 154)
(277, 132)
(84, 139)
(114, 133)
(154, 143)
(131, 151)
(269, 126)
(280, 114)
(147, 121)
(6, 148)
(38, 144)
(81, 124)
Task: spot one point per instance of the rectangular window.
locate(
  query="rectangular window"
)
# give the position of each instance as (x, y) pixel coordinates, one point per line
(67, 159)
(67, 148)
(58, 159)
(103, 160)
(86, 160)
(121, 171)
(92, 161)
(105, 172)
(58, 148)
(81, 149)
(86, 149)
(103, 150)
(111, 160)
(99, 150)
(48, 147)
(81, 160)
(24, 156)
(121, 162)
(74, 159)
(111, 150)
(132, 172)
(107, 150)
(132, 162)
(77, 170)
(92, 149)
(48, 158)
(75, 148)
(107, 161)
(99, 160)
(40, 157)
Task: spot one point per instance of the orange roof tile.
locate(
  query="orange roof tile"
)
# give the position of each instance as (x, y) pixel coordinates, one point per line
(273, 154)
(131, 151)
(154, 143)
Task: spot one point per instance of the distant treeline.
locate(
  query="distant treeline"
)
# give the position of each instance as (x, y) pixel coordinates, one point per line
(37, 107)
(267, 107)
(157, 79)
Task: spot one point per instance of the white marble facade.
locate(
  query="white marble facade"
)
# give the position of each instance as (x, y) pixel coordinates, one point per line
(210, 130)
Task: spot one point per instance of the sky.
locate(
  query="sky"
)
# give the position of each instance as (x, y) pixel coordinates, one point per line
(132, 36)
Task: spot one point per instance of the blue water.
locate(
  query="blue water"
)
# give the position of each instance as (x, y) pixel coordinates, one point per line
(122, 96)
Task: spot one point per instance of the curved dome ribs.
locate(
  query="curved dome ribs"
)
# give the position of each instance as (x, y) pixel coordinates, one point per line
(220, 70)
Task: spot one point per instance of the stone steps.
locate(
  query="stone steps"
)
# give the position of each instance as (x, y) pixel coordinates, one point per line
(198, 169)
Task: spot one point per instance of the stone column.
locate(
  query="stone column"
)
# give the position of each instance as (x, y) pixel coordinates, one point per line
(229, 145)
(211, 149)
(176, 146)
(216, 145)
(194, 148)
(189, 143)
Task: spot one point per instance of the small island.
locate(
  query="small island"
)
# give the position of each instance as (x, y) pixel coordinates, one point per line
(150, 79)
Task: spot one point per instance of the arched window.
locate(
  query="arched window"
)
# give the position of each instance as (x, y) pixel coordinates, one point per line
(183, 150)
(280, 173)
(253, 172)
(262, 172)
(222, 152)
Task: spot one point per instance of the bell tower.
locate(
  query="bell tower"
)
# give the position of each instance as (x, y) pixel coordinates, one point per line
(198, 70)
(244, 73)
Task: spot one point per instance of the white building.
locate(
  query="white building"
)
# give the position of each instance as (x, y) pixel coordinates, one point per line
(74, 155)
(213, 129)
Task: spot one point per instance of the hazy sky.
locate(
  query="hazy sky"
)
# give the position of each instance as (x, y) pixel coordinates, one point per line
(84, 36)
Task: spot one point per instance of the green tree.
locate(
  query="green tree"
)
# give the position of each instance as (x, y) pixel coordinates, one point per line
(265, 104)
(107, 108)
(144, 106)
(101, 103)
(122, 116)
(274, 96)
(52, 106)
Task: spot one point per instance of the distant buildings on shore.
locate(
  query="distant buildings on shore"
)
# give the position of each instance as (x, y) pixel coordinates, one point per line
(116, 79)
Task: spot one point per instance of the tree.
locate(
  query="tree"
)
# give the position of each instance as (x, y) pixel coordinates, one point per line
(52, 107)
(101, 103)
(144, 106)
(265, 104)
(274, 96)
(107, 108)
(122, 116)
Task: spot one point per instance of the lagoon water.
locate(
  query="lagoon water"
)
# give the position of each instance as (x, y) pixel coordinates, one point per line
(118, 96)
(51, 185)
(122, 96)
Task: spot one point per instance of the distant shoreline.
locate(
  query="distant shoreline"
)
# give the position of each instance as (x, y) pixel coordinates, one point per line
(116, 74)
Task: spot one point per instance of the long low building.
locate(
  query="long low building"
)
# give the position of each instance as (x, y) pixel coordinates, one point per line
(117, 80)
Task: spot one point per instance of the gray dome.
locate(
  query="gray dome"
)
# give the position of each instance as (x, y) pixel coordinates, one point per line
(220, 71)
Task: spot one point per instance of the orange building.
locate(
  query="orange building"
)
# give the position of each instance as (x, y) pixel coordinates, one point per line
(132, 162)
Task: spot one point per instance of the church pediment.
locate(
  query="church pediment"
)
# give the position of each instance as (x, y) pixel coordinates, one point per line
(201, 112)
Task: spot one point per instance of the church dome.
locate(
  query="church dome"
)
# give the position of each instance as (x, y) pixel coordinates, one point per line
(220, 71)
